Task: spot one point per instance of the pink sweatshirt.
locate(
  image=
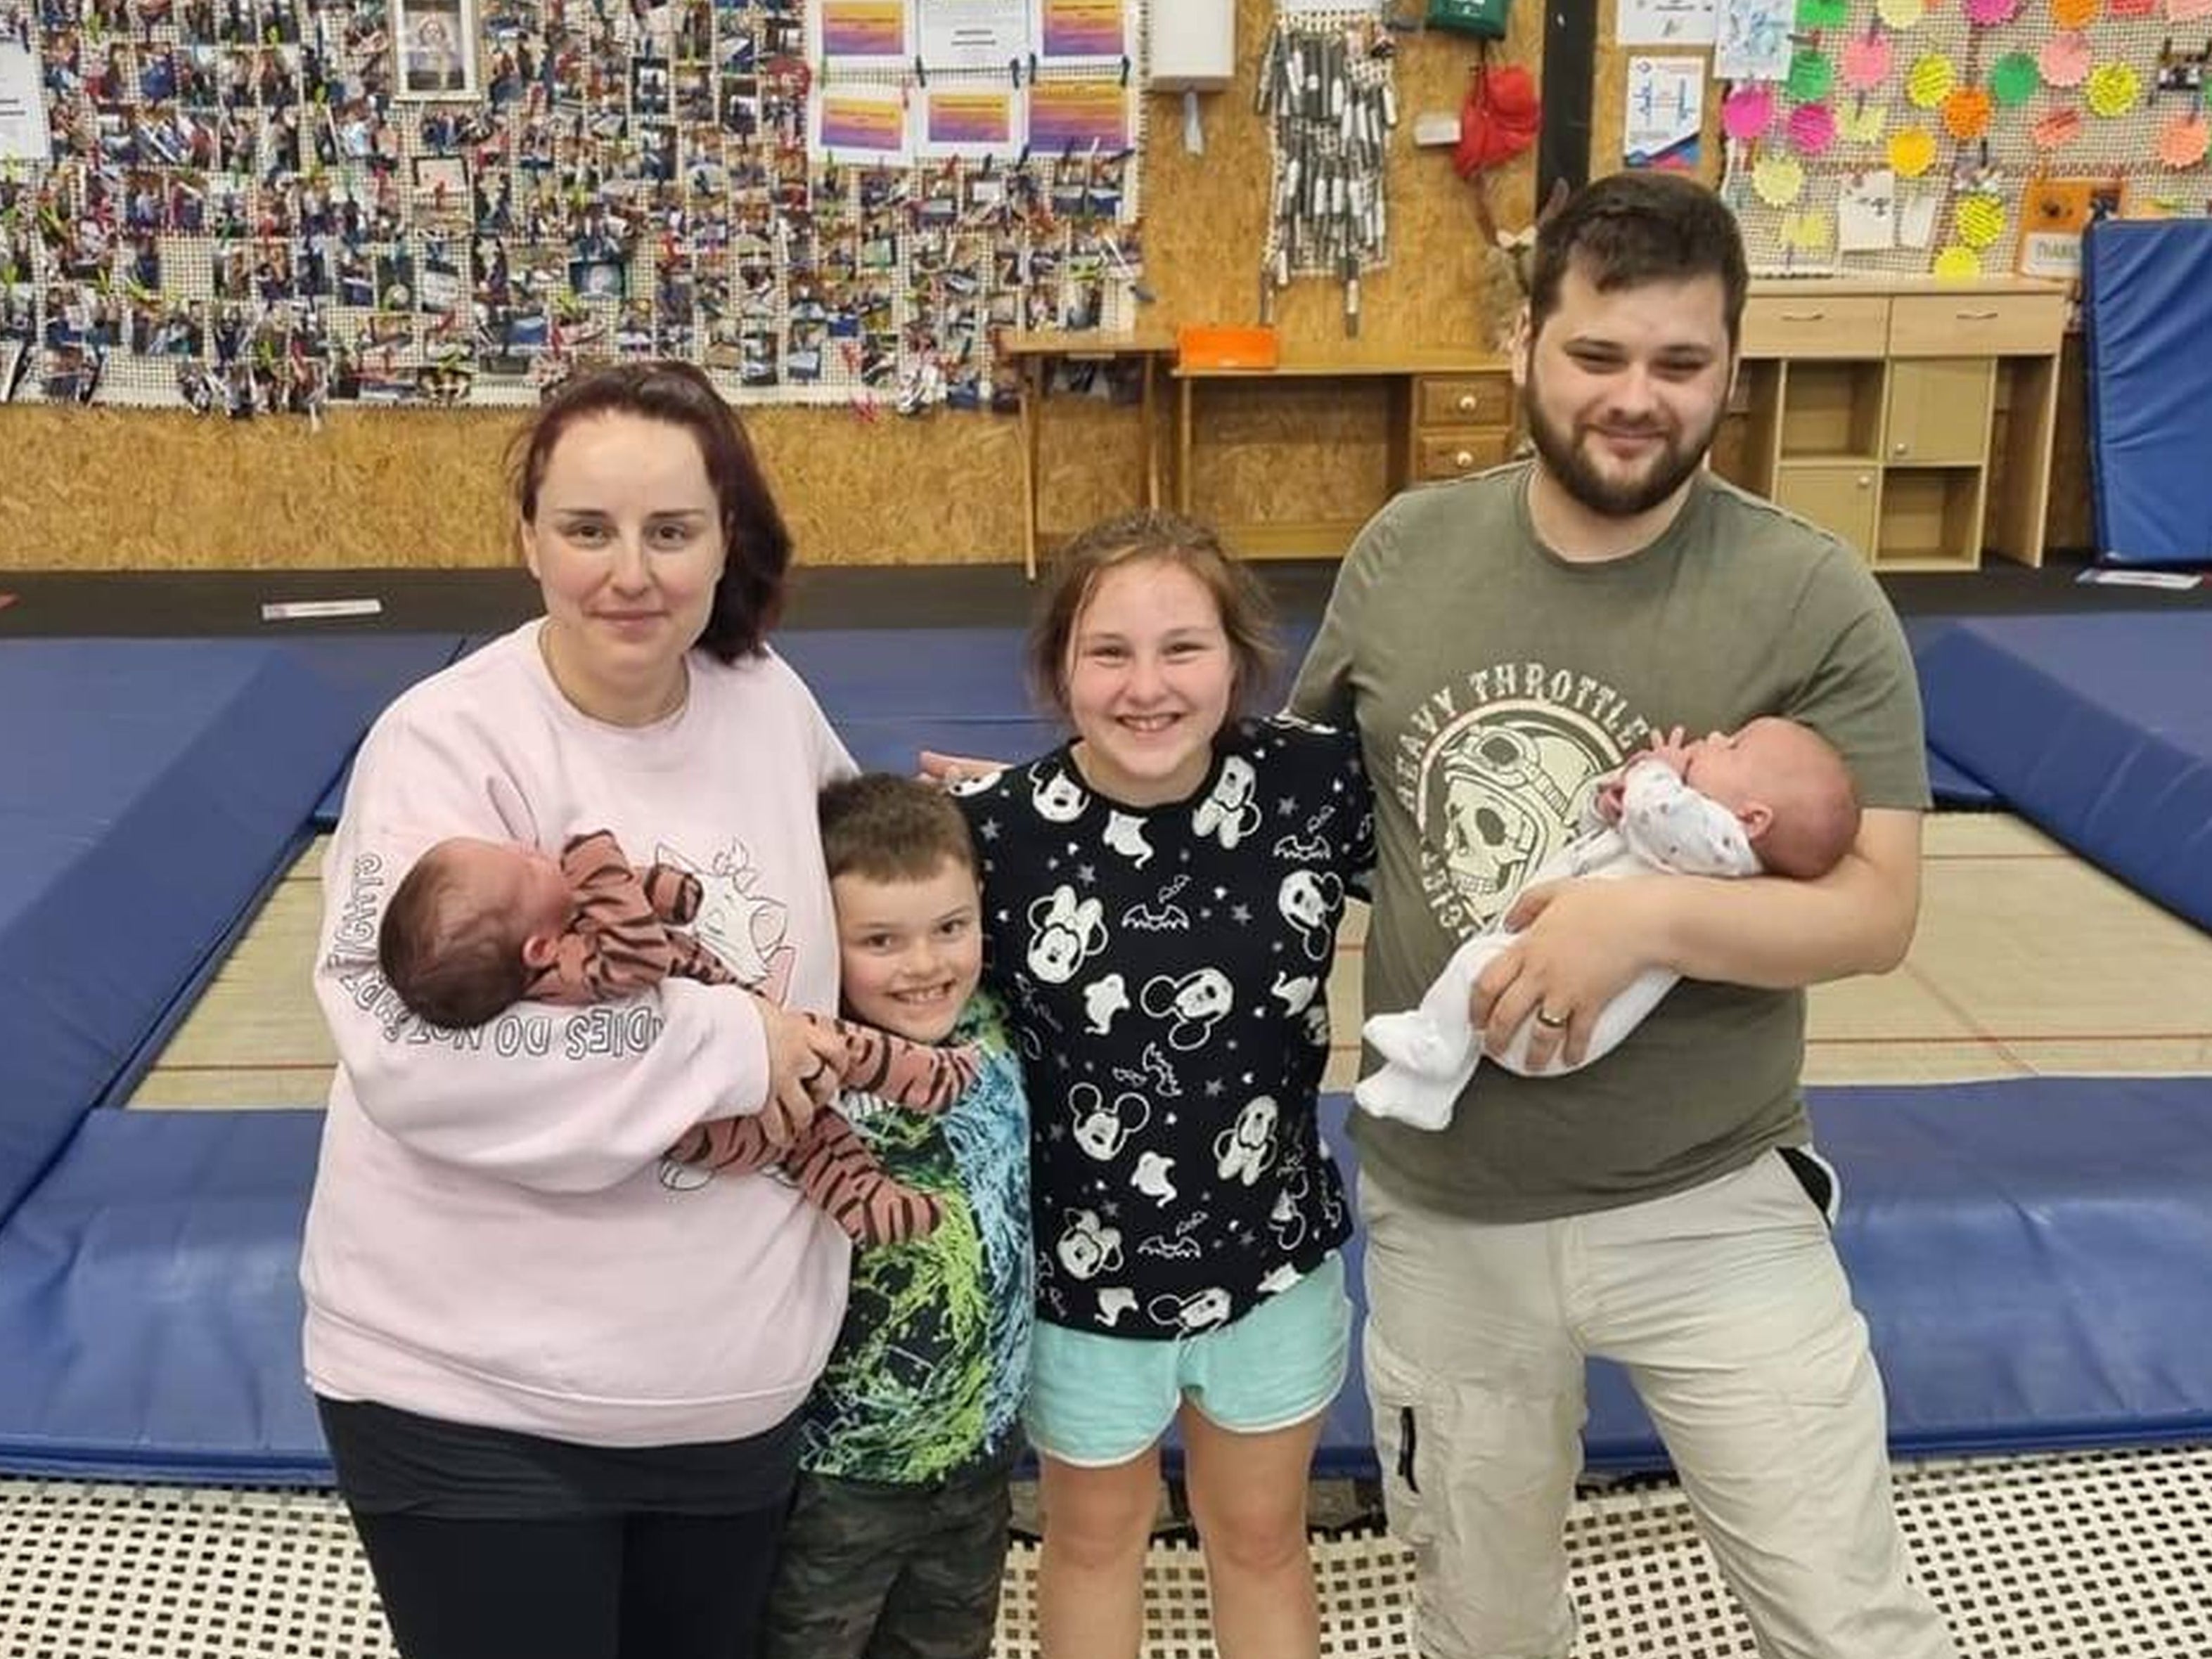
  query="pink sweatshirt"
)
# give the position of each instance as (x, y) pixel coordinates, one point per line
(492, 1240)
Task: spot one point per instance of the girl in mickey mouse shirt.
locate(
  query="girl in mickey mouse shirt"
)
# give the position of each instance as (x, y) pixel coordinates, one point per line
(1162, 895)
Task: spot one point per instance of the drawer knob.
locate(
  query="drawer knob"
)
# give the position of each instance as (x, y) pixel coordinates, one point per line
(1976, 316)
(1903, 449)
(1802, 316)
(1866, 481)
(1467, 403)
(1464, 460)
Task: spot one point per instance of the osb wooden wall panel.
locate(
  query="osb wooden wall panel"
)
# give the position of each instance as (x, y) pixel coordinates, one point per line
(115, 489)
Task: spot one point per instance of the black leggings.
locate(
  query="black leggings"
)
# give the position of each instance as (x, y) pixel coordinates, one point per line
(651, 1586)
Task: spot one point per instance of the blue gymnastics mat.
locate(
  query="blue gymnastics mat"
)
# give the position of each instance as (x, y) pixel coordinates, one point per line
(2030, 1256)
(155, 788)
(2147, 309)
(2098, 729)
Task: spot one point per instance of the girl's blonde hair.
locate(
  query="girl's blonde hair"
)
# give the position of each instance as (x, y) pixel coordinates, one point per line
(1246, 616)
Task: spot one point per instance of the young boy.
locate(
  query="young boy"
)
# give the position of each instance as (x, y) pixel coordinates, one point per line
(898, 1538)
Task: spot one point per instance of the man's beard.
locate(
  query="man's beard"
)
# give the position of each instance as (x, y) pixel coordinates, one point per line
(1612, 497)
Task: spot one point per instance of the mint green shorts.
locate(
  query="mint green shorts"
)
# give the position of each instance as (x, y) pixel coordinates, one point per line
(1096, 1400)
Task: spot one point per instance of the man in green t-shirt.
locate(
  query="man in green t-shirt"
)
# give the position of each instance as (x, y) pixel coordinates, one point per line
(1502, 642)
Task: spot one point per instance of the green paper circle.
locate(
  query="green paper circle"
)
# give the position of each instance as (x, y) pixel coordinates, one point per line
(1811, 75)
(2014, 79)
(1823, 14)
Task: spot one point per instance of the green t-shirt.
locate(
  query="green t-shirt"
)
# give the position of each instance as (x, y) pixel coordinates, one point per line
(1494, 684)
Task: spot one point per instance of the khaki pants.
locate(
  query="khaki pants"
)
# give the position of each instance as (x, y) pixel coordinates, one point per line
(1728, 1308)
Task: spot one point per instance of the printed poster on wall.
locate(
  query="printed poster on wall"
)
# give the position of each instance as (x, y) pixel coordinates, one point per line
(1085, 32)
(1666, 22)
(1664, 113)
(861, 33)
(862, 125)
(23, 136)
(1068, 116)
(1753, 41)
(969, 121)
(956, 34)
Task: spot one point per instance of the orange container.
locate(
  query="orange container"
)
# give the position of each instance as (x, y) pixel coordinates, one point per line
(1223, 346)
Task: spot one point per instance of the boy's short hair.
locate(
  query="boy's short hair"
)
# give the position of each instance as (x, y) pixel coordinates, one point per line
(888, 828)
(454, 960)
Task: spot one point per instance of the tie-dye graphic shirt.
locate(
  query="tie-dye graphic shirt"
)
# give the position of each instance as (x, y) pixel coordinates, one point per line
(926, 1382)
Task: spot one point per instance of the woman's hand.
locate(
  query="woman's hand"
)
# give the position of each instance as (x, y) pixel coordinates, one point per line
(802, 1072)
(955, 769)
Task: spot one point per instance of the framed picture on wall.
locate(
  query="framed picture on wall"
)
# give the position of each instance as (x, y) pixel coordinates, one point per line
(435, 42)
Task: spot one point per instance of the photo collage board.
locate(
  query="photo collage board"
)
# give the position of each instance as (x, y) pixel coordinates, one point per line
(1962, 138)
(262, 206)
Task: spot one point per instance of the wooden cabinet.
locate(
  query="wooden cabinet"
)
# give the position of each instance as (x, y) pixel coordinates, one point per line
(1446, 412)
(1913, 417)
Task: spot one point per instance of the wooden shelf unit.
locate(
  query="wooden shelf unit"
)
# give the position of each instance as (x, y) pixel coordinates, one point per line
(1884, 410)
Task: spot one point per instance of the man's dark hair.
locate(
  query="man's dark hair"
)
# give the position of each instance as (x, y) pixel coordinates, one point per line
(1630, 228)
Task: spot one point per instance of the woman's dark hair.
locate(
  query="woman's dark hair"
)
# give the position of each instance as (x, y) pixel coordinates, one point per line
(749, 597)
(1247, 618)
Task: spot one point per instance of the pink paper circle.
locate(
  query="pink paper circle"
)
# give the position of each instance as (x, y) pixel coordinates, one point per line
(1812, 127)
(1989, 12)
(1866, 62)
(1748, 112)
(2064, 60)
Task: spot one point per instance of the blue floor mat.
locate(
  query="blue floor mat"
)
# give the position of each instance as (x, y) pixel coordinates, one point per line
(2097, 729)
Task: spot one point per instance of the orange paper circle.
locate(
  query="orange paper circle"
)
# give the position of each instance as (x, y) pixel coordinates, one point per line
(2184, 140)
(2074, 14)
(1966, 113)
(1912, 151)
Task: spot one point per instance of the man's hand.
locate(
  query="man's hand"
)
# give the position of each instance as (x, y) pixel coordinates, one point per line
(1579, 944)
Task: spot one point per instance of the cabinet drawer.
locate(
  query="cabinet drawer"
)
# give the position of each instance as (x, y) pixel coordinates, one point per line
(1454, 454)
(1815, 325)
(1464, 400)
(1967, 325)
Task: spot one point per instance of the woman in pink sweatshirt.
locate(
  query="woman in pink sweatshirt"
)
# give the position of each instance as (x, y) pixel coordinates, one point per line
(559, 1380)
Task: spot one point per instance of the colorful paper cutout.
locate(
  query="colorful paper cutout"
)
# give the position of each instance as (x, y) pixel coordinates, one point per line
(1981, 220)
(2065, 60)
(1812, 129)
(1901, 15)
(1862, 123)
(1779, 179)
(1823, 14)
(2060, 128)
(1958, 264)
(2014, 79)
(2074, 14)
(1989, 13)
(1748, 112)
(1912, 151)
(2187, 11)
(1966, 113)
(1811, 74)
(1930, 80)
(2112, 90)
(1866, 61)
(1807, 231)
(2183, 141)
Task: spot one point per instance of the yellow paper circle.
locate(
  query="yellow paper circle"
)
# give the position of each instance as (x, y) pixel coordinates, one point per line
(1981, 220)
(2074, 14)
(1931, 80)
(2112, 89)
(2184, 140)
(1912, 151)
(1901, 14)
(1807, 231)
(1958, 264)
(1862, 123)
(1779, 179)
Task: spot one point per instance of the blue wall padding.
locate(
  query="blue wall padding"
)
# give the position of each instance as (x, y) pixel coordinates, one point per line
(149, 1302)
(2147, 308)
(2098, 729)
(153, 787)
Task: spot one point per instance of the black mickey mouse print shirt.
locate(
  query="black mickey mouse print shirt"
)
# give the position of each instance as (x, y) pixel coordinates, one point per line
(1165, 973)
